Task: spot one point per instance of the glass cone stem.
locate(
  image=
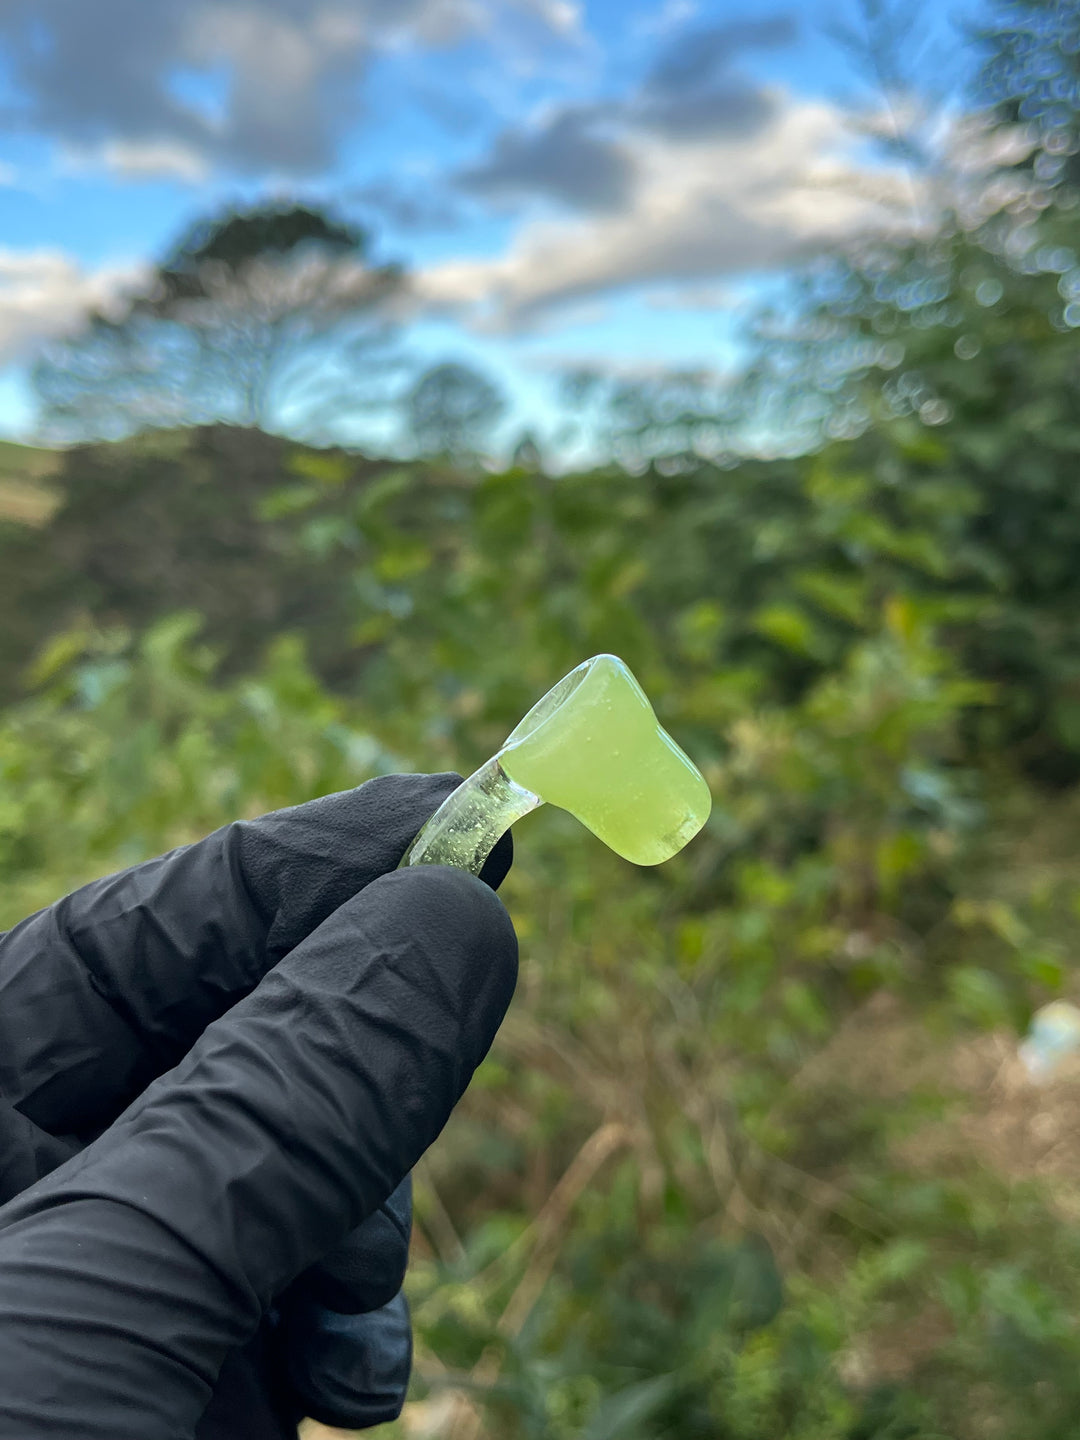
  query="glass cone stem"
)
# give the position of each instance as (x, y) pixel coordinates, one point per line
(468, 824)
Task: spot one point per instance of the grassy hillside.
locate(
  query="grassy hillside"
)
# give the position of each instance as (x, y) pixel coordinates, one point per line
(26, 497)
(125, 533)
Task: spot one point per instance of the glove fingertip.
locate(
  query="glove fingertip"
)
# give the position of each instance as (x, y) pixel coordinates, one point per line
(497, 865)
(366, 1270)
(351, 1371)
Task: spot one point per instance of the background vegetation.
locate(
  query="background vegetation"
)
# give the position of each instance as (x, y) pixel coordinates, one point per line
(753, 1156)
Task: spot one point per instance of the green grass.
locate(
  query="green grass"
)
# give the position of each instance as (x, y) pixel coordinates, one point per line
(25, 494)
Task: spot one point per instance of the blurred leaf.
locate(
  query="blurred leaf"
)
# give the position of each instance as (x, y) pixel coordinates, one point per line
(624, 1413)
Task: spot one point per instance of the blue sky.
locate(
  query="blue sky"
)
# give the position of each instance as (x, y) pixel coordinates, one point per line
(596, 182)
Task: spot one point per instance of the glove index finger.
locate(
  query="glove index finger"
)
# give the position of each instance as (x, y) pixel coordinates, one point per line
(113, 985)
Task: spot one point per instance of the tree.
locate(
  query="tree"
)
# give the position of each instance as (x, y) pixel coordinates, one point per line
(1031, 77)
(451, 411)
(526, 454)
(267, 317)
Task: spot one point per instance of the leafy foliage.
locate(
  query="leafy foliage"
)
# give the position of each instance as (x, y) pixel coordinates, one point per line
(1031, 76)
(670, 1122)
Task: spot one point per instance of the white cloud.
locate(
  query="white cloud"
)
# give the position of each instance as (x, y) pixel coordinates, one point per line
(134, 160)
(693, 297)
(8, 174)
(138, 160)
(673, 16)
(561, 16)
(697, 212)
(45, 293)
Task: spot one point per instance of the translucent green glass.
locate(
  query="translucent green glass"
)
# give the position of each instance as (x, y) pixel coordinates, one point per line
(592, 746)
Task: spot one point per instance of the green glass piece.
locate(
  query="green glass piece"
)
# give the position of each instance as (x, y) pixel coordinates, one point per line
(592, 746)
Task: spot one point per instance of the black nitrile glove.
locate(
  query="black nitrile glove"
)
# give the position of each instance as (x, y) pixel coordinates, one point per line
(225, 1063)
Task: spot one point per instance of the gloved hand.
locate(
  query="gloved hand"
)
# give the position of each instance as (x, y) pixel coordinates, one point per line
(225, 1063)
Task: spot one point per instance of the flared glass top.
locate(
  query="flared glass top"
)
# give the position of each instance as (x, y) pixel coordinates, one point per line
(593, 746)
